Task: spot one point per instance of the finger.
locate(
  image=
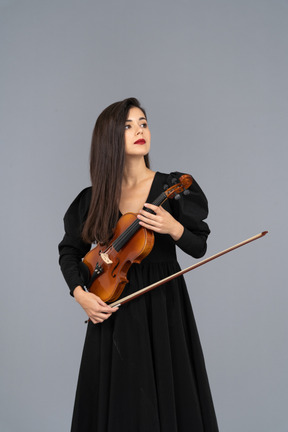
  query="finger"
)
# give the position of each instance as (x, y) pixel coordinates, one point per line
(147, 214)
(148, 220)
(152, 207)
(150, 217)
(113, 309)
(107, 308)
(95, 320)
(147, 223)
(158, 210)
(101, 302)
(100, 317)
(150, 226)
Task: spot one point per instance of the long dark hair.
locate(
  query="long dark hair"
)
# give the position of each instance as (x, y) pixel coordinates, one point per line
(107, 158)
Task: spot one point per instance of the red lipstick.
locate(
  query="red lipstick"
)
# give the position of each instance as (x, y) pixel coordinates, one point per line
(140, 141)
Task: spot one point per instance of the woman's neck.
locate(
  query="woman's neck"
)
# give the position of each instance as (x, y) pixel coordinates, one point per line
(135, 171)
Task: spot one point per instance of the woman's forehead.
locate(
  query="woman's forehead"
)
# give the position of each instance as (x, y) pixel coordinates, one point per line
(135, 114)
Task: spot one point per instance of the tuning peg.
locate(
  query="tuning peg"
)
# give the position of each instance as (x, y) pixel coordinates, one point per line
(165, 187)
(186, 192)
(177, 197)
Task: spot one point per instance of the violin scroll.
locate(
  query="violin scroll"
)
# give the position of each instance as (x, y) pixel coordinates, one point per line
(183, 185)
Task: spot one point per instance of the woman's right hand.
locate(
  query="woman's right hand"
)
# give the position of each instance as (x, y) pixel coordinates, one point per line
(96, 309)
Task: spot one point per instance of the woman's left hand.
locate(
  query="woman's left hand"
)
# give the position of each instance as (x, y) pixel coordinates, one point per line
(161, 222)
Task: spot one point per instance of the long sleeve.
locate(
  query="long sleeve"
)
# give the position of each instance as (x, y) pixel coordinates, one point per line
(191, 210)
(72, 248)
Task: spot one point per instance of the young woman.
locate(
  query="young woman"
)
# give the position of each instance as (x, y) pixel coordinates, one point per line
(142, 366)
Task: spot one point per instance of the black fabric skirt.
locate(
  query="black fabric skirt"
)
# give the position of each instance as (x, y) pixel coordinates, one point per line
(143, 370)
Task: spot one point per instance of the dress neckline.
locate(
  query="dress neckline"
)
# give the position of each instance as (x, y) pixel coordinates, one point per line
(150, 190)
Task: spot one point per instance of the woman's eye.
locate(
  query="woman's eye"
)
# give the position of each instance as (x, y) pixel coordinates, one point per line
(127, 126)
(144, 125)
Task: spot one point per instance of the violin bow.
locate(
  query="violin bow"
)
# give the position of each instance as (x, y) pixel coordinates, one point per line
(186, 270)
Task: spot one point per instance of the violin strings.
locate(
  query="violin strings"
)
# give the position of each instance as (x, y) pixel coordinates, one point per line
(134, 227)
(126, 235)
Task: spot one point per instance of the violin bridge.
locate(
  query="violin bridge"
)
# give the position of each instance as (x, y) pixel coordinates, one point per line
(105, 258)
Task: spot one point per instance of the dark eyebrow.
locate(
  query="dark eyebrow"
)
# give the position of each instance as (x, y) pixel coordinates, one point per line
(140, 118)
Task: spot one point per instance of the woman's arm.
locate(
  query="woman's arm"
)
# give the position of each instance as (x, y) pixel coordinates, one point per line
(71, 250)
(184, 222)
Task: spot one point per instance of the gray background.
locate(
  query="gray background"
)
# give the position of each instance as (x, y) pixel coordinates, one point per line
(213, 78)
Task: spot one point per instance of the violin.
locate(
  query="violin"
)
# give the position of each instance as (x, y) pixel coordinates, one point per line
(131, 243)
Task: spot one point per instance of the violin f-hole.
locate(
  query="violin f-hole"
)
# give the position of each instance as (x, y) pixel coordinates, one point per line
(113, 270)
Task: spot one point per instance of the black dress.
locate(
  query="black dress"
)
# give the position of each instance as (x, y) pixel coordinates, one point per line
(142, 369)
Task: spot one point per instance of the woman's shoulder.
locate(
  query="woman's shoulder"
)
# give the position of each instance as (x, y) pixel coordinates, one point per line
(169, 178)
(80, 205)
(84, 195)
(173, 177)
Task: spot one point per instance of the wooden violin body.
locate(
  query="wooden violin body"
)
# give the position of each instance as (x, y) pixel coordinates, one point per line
(108, 265)
(112, 266)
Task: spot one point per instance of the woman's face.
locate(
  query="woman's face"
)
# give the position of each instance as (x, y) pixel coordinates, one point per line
(137, 134)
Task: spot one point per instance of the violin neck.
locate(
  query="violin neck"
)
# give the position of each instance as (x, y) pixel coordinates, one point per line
(160, 200)
(134, 227)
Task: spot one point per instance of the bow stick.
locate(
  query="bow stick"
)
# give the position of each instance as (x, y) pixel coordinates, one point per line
(181, 272)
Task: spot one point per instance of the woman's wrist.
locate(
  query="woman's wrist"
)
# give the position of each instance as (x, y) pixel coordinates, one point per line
(78, 292)
(177, 232)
